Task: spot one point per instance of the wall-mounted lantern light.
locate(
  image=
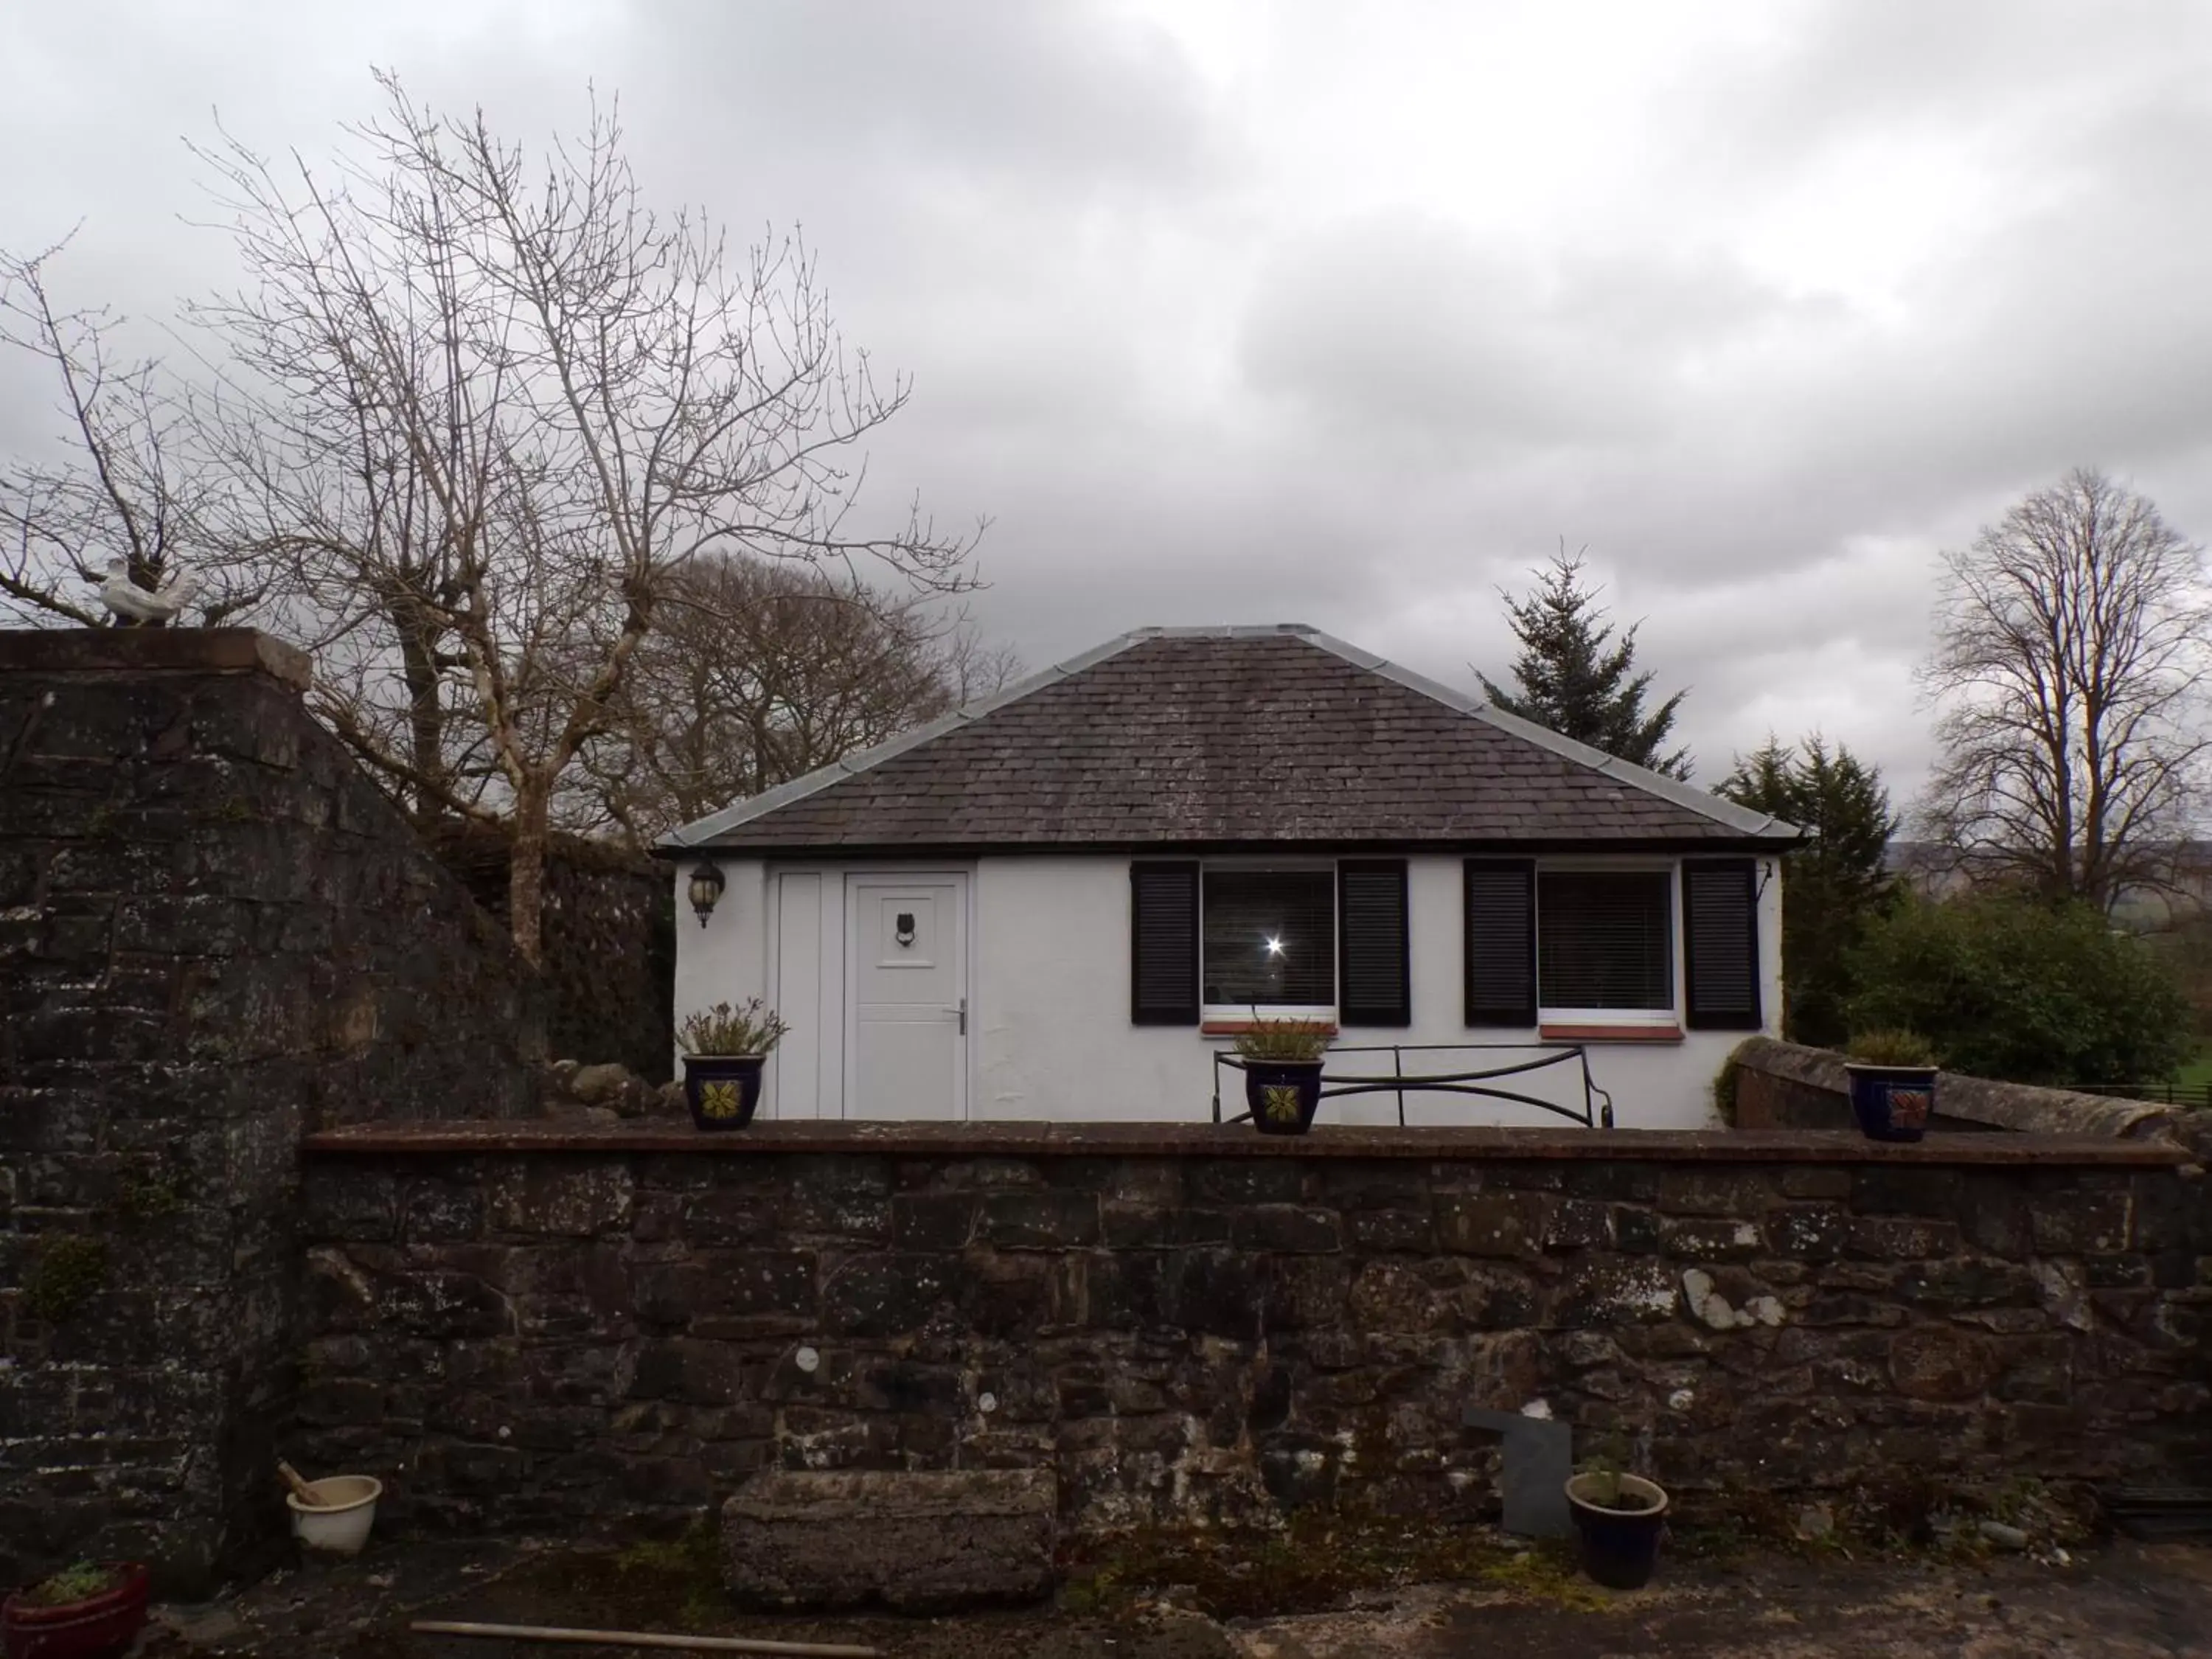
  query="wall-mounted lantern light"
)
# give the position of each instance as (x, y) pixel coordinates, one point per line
(705, 889)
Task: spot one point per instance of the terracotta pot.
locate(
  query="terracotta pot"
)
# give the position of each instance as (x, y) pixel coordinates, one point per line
(97, 1627)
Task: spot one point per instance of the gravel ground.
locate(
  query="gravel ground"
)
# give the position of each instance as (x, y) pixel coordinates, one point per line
(2123, 1601)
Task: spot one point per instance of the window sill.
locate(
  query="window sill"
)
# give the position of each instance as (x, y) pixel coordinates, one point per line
(1238, 1027)
(1588, 1033)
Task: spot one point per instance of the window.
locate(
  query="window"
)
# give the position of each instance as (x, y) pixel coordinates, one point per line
(1331, 941)
(1605, 941)
(1269, 939)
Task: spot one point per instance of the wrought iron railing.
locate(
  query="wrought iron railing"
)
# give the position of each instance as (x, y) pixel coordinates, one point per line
(1596, 1108)
(2198, 1095)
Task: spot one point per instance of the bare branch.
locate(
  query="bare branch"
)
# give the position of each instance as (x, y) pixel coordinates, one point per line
(492, 410)
(2070, 646)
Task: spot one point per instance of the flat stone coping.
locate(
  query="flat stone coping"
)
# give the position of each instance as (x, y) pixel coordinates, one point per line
(1236, 1141)
(2020, 1107)
(141, 650)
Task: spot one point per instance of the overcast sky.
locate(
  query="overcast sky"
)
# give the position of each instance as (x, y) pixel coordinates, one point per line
(1346, 314)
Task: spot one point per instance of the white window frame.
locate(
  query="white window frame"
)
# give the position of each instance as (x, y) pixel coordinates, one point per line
(1232, 1013)
(1666, 1018)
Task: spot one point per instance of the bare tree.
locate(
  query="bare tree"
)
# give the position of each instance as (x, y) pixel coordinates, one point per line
(131, 486)
(761, 672)
(492, 407)
(2069, 642)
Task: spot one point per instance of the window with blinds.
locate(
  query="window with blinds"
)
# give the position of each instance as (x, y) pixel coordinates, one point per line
(1269, 939)
(1605, 938)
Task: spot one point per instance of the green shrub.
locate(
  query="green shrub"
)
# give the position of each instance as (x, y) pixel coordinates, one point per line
(2010, 988)
(751, 1027)
(1892, 1048)
(1725, 1081)
(80, 1583)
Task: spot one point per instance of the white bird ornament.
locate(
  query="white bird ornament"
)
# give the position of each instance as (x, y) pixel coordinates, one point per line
(129, 602)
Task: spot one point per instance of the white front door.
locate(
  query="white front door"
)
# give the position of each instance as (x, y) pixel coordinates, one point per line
(907, 957)
(809, 994)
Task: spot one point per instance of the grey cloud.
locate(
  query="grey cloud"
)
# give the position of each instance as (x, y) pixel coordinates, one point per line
(965, 95)
(1190, 384)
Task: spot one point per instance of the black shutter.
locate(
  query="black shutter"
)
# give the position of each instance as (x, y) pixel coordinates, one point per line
(1501, 942)
(1373, 976)
(1720, 943)
(1164, 944)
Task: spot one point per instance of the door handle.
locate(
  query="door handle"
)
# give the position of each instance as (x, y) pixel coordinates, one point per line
(962, 1012)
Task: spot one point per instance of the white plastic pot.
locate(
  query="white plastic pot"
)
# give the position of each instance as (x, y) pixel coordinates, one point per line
(338, 1520)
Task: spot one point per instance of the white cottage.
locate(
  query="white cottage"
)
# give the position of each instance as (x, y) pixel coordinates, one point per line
(1063, 902)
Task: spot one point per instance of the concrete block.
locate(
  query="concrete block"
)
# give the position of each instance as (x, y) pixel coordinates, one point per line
(1539, 1460)
(910, 1541)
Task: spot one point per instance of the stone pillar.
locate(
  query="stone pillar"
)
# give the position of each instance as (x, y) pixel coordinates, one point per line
(215, 933)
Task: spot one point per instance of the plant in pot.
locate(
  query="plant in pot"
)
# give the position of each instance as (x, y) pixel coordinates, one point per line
(724, 1047)
(89, 1611)
(1282, 1072)
(1619, 1517)
(1893, 1083)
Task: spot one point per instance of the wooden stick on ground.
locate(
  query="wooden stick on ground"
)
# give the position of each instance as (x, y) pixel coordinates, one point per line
(634, 1638)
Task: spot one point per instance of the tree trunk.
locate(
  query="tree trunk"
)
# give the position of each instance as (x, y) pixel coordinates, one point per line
(426, 721)
(525, 877)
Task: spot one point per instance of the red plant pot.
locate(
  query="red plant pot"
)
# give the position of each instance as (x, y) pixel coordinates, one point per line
(97, 1627)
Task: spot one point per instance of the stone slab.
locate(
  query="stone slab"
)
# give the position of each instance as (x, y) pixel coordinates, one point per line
(141, 650)
(913, 1541)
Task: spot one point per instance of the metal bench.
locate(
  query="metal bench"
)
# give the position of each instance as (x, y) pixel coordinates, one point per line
(1596, 1108)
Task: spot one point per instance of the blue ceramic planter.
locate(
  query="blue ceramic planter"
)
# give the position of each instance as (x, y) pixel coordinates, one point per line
(723, 1091)
(1892, 1103)
(1284, 1095)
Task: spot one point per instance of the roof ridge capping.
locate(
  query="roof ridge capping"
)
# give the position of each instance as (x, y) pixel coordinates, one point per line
(1742, 819)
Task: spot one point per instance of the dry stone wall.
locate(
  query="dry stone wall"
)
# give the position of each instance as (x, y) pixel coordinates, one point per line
(578, 1335)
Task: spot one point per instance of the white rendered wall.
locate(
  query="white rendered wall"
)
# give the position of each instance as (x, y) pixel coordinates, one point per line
(1049, 1018)
(727, 960)
(1054, 1040)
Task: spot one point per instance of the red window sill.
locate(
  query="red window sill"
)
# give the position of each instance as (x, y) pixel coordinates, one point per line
(1238, 1027)
(1612, 1033)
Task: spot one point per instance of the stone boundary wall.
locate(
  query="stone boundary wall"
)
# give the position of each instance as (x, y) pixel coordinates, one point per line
(526, 1326)
(609, 976)
(1782, 1085)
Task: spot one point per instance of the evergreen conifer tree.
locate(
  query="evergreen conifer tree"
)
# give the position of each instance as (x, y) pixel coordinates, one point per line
(1576, 678)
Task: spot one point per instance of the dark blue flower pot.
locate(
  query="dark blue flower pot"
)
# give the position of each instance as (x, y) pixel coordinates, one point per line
(723, 1091)
(1892, 1103)
(1283, 1094)
(1621, 1547)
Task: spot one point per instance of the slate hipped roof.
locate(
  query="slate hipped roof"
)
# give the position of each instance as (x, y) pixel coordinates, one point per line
(1224, 738)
